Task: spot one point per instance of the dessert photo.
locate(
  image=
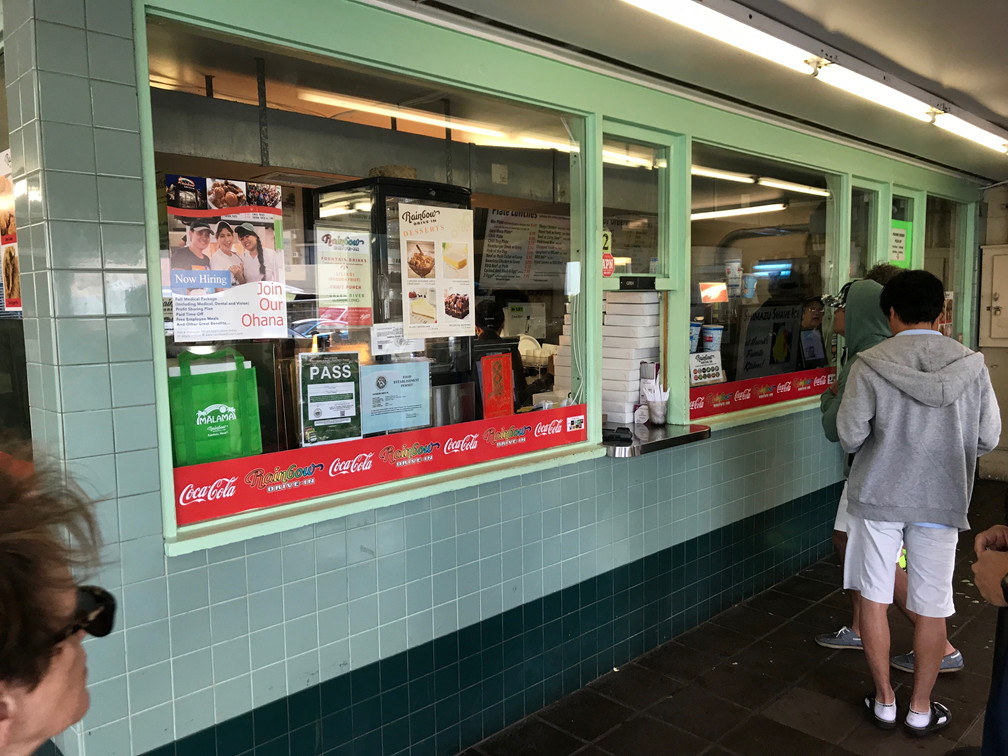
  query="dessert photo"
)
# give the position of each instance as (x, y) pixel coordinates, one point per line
(421, 259)
(456, 259)
(421, 308)
(223, 194)
(456, 305)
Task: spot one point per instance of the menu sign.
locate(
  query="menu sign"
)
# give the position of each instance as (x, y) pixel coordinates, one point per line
(330, 400)
(524, 250)
(757, 392)
(436, 244)
(343, 273)
(9, 259)
(223, 259)
(219, 489)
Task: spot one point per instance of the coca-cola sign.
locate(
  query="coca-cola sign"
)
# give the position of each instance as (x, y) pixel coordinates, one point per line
(549, 429)
(360, 463)
(466, 443)
(697, 402)
(222, 488)
(706, 401)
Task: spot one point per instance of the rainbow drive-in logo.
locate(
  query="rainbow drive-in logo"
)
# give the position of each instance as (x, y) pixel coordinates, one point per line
(506, 436)
(408, 454)
(279, 479)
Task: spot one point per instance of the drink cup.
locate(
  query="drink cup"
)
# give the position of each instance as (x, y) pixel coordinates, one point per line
(657, 411)
(710, 337)
(694, 336)
(733, 275)
(749, 286)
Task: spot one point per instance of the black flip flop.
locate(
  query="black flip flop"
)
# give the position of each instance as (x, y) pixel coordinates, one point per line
(940, 718)
(882, 724)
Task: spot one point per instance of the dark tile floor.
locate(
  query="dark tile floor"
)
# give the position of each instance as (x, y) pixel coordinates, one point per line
(751, 681)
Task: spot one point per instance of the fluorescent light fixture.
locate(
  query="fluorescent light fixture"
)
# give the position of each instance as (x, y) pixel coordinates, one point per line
(392, 111)
(548, 145)
(620, 158)
(742, 178)
(773, 207)
(362, 207)
(800, 188)
(874, 91)
(772, 266)
(955, 125)
(721, 27)
(329, 212)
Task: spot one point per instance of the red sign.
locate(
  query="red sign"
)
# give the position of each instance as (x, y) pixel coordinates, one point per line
(497, 383)
(608, 265)
(219, 489)
(719, 398)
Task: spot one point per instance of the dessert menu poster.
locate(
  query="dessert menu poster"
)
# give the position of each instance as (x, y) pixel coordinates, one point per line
(436, 244)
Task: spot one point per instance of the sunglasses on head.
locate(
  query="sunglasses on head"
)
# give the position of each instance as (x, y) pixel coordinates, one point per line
(837, 301)
(94, 614)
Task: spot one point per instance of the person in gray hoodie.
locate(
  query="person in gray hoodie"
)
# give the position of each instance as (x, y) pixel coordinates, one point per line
(918, 410)
(859, 319)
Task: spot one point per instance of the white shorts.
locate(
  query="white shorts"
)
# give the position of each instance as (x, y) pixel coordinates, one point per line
(872, 548)
(842, 518)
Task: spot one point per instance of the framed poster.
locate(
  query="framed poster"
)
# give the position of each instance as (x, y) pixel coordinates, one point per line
(329, 384)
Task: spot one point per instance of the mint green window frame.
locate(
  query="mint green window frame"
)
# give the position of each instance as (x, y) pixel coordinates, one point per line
(397, 43)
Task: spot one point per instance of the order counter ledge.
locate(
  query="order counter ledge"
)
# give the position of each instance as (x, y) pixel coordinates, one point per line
(623, 440)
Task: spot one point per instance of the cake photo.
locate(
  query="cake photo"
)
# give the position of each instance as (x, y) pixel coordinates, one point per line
(456, 259)
(420, 308)
(456, 305)
(421, 259)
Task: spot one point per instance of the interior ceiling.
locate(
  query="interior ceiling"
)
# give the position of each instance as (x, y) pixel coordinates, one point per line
(955, 50)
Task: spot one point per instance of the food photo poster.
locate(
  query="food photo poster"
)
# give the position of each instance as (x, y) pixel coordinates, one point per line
(436, 244)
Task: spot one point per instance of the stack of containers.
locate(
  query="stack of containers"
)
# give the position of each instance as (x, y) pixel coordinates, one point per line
(562, 359)
(631, 334)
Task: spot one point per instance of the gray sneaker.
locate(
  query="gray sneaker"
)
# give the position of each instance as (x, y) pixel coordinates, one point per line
(950, 662)
(842, 638)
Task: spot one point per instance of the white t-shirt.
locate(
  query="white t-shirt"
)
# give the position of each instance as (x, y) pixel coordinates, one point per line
(221, 260)
(271, 259)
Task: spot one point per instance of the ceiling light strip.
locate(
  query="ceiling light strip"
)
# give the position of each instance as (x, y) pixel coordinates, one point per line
(735, 211)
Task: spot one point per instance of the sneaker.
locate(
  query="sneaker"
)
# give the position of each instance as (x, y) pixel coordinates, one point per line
(950, 662)
(842, 638)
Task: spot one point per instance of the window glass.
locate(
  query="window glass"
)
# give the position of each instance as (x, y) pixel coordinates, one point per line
(758, 259)
(363, 281)
(941, 235)
(863, 205)
(901, 242)
(632, 181)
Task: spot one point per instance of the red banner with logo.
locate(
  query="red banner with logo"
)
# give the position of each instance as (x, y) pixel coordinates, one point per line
(719, 398)
(218, 489)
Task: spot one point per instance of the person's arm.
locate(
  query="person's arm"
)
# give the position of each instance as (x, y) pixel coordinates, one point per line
(857, 409)
(990, 417)
(991, 566)
(829, 404)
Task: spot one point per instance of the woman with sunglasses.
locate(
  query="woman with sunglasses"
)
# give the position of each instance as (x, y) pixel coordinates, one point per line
(43, 670)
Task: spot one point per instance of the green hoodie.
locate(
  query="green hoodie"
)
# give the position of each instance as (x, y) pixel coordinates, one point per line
(864, 327)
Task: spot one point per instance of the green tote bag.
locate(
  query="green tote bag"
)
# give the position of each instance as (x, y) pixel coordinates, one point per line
(215, 415)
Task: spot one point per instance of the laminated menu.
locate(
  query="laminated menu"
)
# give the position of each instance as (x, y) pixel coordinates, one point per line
(436, 244)
(524, 250)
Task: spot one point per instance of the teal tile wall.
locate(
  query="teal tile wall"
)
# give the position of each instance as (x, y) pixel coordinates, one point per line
(444, 695)
(261, 622)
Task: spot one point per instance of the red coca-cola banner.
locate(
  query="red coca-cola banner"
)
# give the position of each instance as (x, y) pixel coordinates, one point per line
(218, 489)
(719, 398)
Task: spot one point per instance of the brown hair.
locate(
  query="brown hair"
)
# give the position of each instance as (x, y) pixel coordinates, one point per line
(47, 528)
(882, 273)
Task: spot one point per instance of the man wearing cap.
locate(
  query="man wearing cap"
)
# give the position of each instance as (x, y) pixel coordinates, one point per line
(193, 256)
